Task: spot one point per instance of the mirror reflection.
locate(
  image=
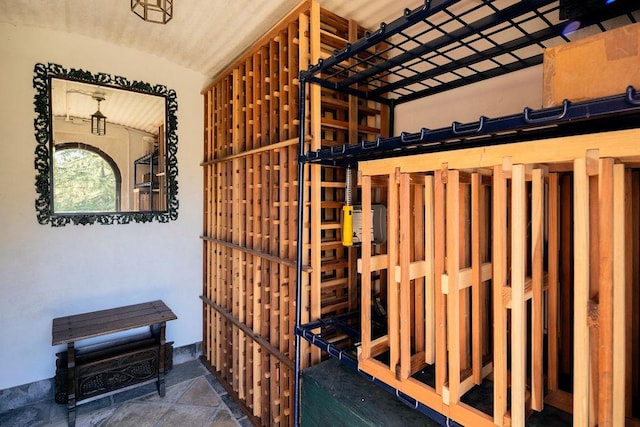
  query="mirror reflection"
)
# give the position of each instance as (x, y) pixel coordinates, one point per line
(108, 149)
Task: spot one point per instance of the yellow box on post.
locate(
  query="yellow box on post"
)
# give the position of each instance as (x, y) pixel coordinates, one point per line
(593, 67)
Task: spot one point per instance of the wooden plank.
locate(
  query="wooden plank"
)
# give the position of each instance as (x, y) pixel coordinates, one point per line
(418, 249)
(393, 305)
(281, 144)
(439, 266)
(581, 294)
(376, 262)
(499, 281)
(537, 276)
(635, 292)
(249, 231)
(629, 267)
(315, 175)
(610, 144)
(96, 323)
(258, 262)
(605, 302)
(553, 242)
(235, 229)
(405, 285)
(518, 308)
(464, 240)
(477, 218)
(365, 270)
(453, 297)
(619, 330)
(429, 257)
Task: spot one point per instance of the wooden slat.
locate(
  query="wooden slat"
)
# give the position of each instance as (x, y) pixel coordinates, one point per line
(418, 284)
(365, 270)
(619, 346)
(581, 294)
(315, 176)
(537, 277)
(393, 308)
(518, 308)
(613, 144)
(605, 302)
(477, 218)
(499, 281)
(553, 242)
(92, 324)
(405, 285)
(439, 268)
(453, 297)
(429, 256)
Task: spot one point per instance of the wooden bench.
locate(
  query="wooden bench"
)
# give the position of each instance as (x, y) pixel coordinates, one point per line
(94, 370)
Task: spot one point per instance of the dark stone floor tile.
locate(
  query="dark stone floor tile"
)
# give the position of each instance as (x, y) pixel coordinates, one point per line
(213, 381)
(233, 406)
(185, 371)
(200, 393)
(28, 416)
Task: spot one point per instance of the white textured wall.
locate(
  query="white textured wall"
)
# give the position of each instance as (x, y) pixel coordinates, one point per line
(497, 97)
(47, 272)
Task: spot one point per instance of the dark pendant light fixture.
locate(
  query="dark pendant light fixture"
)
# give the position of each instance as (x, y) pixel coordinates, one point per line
(158, 11)
(98, 120)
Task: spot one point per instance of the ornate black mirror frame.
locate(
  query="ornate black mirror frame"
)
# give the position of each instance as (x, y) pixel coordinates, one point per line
(44, 148)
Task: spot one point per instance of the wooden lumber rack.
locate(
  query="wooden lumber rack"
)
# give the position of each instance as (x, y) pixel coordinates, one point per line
(511, 253)
(251, 204)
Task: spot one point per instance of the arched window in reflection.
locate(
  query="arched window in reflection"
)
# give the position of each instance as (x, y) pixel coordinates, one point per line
(86, 179)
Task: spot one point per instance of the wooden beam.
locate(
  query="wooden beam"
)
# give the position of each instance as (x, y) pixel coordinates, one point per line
(499, 281)
(439, 216)
(605, 318)
(405, 285)
(537, 277)
(614, 144)
(453, 297)
(518, 308)
(553, 280)
(393, 303)
(365, 270)
(581, 349)
(429, 256)
(618, 300)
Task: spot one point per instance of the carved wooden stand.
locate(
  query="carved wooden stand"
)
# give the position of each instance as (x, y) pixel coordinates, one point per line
(87, 372)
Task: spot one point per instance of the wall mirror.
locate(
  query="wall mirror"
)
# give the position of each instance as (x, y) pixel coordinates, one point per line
(106, 148)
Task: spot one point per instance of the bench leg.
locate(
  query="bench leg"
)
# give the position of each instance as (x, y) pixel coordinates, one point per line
(161, 362)
(71, 383)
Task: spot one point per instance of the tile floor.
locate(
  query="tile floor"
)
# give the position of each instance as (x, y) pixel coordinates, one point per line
(194, 398)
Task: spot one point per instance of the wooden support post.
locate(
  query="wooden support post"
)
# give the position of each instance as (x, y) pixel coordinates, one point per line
(619, 345)
(537, 273)
(630, 266)
(552, 281)
(581, 351)
(365, 309)
(405, 285)
(439, 265)
(499, 282)
(453, 295)
(392, 291)
(518, 307)
(605, 302)
(477, 220)
(429, 256)
(418, 247)
(316, 178)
